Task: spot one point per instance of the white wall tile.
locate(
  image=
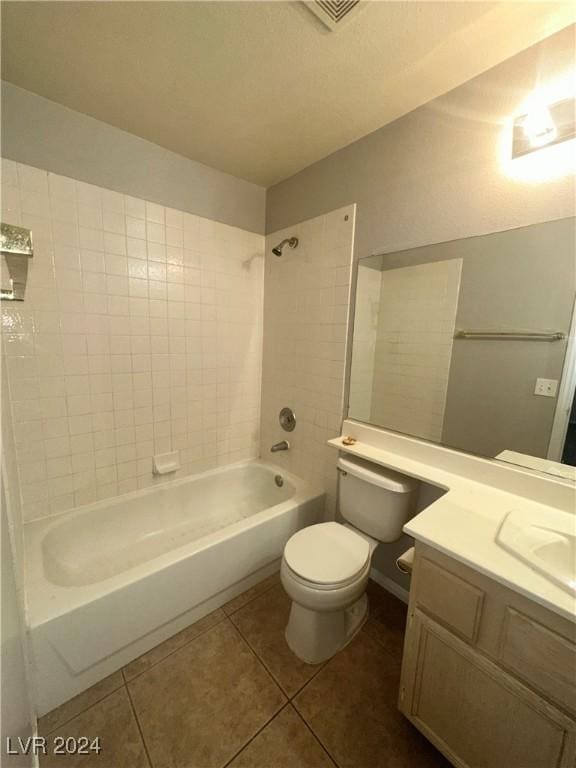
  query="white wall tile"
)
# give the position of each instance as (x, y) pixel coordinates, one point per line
(105, 359)
(305, 320)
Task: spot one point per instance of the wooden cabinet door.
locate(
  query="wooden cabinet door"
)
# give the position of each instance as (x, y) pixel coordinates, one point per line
(473, 711)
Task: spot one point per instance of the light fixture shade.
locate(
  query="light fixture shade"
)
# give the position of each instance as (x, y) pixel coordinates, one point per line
(544, 125)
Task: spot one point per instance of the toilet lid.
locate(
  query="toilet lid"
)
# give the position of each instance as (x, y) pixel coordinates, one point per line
(327, 553)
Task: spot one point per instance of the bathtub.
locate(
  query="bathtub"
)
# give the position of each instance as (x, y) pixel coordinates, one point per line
(107, 582)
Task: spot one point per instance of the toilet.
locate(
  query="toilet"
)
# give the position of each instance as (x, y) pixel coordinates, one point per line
(325, 567)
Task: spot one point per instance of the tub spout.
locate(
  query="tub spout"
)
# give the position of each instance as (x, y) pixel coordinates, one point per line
(282, 446)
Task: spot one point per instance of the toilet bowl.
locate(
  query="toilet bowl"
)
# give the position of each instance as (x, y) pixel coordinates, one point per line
(325, 567)
(324, 571)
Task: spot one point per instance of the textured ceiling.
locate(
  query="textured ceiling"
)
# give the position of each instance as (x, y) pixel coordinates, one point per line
(258, 89)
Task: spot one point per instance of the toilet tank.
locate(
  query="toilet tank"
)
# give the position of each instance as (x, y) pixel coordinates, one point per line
(375, 500)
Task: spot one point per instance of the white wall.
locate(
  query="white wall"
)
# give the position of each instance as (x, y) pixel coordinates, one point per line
(140, 333)
(306, 304)
(414, 343)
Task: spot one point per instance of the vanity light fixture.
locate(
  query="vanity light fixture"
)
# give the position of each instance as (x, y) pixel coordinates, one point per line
(544, 125)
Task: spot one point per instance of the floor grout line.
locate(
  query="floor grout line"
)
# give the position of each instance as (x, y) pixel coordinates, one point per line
(180, 647)
(251, 600)
(259, 731)
(289, 696)
(261, 661)
(140, 731)
(307, 683)
(309, 727)
(85, 709)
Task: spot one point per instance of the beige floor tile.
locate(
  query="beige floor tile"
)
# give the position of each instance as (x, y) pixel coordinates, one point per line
(286, 742)
(243, 599)
(113, 721)
(160, 652)
(262, 622)
(351, 707)
(78, 704)
(387, 619)
(203, 703)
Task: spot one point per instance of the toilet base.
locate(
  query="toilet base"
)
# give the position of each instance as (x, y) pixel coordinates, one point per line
(315, 636)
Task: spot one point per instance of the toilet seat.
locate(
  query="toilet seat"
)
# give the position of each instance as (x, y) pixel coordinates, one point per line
(312, 585)
(327, 555)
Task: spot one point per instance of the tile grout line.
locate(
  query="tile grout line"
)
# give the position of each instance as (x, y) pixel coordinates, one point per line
(309, 727)
(180, 647)
(85, 709)
(258, 732)
(307, 683)
(272, 678)
(263, 662)
(140, 731)
(251, 600)
(266, 667)
(259, 660)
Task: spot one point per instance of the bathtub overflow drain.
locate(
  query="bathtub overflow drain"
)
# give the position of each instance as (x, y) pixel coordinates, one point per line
(279, 480)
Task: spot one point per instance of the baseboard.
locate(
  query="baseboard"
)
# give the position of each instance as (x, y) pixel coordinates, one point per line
(390, 585)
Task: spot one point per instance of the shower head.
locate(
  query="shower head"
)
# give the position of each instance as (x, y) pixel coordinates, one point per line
(292, 242)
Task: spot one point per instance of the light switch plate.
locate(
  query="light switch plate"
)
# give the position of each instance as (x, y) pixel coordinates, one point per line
(546, 387)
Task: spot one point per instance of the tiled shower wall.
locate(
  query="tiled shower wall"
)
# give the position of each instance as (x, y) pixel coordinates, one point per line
(305, 324)
(141, 333)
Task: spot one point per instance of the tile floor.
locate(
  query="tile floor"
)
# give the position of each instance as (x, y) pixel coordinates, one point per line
(227, 691)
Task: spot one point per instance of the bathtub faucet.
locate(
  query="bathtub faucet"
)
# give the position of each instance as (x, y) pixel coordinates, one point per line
(282, 446)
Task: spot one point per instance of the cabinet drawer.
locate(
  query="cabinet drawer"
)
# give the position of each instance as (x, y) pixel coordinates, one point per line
(449, 599)
(545, 659)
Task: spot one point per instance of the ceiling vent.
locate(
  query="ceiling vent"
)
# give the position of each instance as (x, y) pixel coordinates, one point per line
(334, 13)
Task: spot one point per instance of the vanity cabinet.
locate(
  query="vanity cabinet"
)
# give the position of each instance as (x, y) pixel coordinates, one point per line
(488, 676)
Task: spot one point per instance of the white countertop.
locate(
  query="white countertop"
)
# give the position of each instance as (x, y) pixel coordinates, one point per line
(467, 533)
(463, 523)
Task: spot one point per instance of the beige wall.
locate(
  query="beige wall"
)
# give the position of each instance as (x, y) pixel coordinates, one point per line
(306, 304)
(436, 174)
(519, 279)
(41, 133)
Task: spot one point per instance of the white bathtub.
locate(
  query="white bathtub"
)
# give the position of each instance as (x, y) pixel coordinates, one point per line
(107, 582)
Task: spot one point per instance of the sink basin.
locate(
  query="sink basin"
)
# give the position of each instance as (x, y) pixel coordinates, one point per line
(545, 541)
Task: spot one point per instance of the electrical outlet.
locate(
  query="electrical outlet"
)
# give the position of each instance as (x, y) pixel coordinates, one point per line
(546, 387)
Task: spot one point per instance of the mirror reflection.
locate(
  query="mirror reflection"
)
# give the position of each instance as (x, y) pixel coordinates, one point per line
(468, 343)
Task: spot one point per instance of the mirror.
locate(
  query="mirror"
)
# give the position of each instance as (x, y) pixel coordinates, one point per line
(469, 344)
